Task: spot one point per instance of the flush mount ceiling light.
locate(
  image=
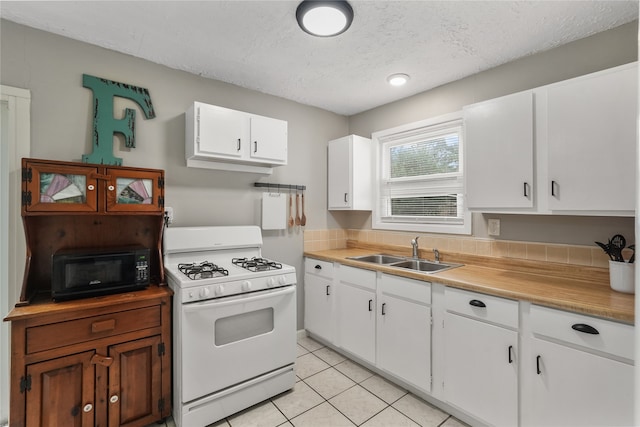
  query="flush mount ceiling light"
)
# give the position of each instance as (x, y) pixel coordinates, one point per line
(398, 79)
(324, 18)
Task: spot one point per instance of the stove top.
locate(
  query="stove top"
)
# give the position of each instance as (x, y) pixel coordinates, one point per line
(202, 270)
(256, 264)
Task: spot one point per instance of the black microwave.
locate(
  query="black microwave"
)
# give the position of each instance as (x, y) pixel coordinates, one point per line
(86, 273)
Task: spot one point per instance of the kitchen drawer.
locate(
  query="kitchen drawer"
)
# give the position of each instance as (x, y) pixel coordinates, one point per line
(55, 335)
(611, 337)
(496, 310)
(357, 276)
(318, 268)
(414, 290)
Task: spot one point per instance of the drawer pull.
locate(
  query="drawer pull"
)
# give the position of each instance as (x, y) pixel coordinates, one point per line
(477, 303)
(538, 364)
(98, 359)
(509, 353)
(105, 325)
(327, 291)
(581, 327)
(370, 301)
(383, 305)
(318, 267)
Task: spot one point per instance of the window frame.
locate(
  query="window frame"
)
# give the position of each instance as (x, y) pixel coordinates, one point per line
(415, 130)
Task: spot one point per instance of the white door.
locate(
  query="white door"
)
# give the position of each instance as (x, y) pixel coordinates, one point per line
(576, 388)
(318, 307)
(230, 340)
(481, 371)
(268, 139)
(339, 174)
(404, 340)
(357, 320)
(221, 132)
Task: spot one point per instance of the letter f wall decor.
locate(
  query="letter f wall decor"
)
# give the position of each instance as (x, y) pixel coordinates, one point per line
(105, 125)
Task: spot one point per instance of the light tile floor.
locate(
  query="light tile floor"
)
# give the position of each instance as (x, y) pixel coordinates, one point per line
(334, 391)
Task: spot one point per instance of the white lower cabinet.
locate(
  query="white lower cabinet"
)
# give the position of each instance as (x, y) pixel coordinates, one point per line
(356, 312)
(581, 371)
(404, 329)
(481, 356)
(319, 295)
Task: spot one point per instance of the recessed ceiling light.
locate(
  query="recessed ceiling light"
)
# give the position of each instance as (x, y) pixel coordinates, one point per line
(398, 79)
(324, 18)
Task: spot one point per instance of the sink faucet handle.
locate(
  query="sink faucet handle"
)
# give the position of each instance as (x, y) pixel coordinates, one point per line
(414, 243)
(436, 254)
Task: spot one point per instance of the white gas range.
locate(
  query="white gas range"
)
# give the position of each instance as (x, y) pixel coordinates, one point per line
(234, 321)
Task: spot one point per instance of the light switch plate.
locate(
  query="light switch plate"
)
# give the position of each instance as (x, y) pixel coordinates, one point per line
(494, 227)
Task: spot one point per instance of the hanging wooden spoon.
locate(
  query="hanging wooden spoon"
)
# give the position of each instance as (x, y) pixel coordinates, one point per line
(303, 220)
(290, 211)
(297, 210)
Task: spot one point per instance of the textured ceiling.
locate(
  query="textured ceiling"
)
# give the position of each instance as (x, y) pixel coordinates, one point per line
(258, 45)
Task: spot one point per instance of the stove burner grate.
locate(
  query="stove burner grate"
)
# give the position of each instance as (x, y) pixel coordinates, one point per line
(203, 270)
(256, 264)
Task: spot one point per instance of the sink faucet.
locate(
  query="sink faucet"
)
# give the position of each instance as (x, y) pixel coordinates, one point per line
(414, 243)
(436, 254)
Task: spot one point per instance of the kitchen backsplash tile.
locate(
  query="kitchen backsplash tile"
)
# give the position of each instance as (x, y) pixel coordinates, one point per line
(318, 240)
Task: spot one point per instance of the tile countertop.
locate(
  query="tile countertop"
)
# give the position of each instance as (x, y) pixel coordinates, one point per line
(579, 289)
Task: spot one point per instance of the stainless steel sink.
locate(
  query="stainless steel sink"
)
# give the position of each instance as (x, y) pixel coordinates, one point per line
(424, 265)
(378, 259)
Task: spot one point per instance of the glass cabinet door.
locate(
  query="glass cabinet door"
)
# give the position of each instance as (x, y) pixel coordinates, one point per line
(135, 191)
(50, 188)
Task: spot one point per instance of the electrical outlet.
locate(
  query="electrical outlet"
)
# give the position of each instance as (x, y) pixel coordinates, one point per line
(494, 227)
(168, 214)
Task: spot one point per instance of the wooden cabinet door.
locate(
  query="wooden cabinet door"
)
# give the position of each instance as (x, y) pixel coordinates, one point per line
(135, 386)
(59, 188)
(62, 392)
(318, 307)
(134, 191)
(339, 174)
(499, 153)
(268, 139)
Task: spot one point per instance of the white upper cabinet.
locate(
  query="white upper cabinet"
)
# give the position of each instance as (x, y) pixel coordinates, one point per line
(349, 173)
(591, 132)
(565, 148)
(499, 152)
(221, 138)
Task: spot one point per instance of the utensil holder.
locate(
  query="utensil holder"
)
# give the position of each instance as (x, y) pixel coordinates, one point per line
(622, 276)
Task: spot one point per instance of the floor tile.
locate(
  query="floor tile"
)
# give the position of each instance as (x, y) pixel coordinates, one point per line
(329, 383)
(384, 389)
(222, 423)
(301, 351)
(309, 343)
(390, 417)
(300, 399)
(454, 422)
(264, 414)
(329, 356)
(353, 371)
(358, 404)
(323, 415)
(308, 365)
(420, 411)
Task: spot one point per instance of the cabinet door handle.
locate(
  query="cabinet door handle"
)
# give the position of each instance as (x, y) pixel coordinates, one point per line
(345, 198)
(477, 303)
(328, 293)
(509, 353)
(105, 325)
(383, 305)
(553, 188)
(526, 187)
(538, 371)
(239, 144)
(98, 359)
(581, 327)
(255, 148)
(370, 301)
(318, 267)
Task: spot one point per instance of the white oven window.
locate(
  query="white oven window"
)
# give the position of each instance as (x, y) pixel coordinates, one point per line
(242, 326)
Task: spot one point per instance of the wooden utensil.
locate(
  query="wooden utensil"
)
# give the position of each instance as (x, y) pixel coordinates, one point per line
(290, 210)
(303, 220)
(297, 210)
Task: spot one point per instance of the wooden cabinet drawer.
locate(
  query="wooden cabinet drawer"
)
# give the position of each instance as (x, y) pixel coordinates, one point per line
(55, 335)
(492, 309)
(414, 290)
(591, 332)
(357, 276)
(318, 268)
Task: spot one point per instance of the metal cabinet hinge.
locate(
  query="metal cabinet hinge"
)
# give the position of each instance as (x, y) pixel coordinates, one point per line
(161, 202)
(161, 349)
(26, 198)
(25, 383)
(160, 182)
(27, 174)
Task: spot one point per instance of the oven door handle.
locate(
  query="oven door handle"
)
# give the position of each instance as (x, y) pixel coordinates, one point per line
(238, 299)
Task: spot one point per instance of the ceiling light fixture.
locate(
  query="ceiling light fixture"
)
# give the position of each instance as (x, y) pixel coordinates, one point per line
(398, 79)
(324, 18)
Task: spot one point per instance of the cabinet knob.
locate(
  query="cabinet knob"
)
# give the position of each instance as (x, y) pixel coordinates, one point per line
(91, 187)
(88, 407)
(318, 267)
(114, 398)
(111, 188)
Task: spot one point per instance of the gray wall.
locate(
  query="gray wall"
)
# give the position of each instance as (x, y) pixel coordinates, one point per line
(605, 50)
(51, 67)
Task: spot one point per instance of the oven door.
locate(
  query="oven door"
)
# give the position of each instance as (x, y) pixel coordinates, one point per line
(230, 340)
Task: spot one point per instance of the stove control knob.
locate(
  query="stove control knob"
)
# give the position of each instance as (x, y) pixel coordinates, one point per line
(246, 286)
(271, 282)
(220, 290)
(282, 280)
(204, 292)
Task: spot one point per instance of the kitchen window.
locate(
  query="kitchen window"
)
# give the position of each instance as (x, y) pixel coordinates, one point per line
(420, 177)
